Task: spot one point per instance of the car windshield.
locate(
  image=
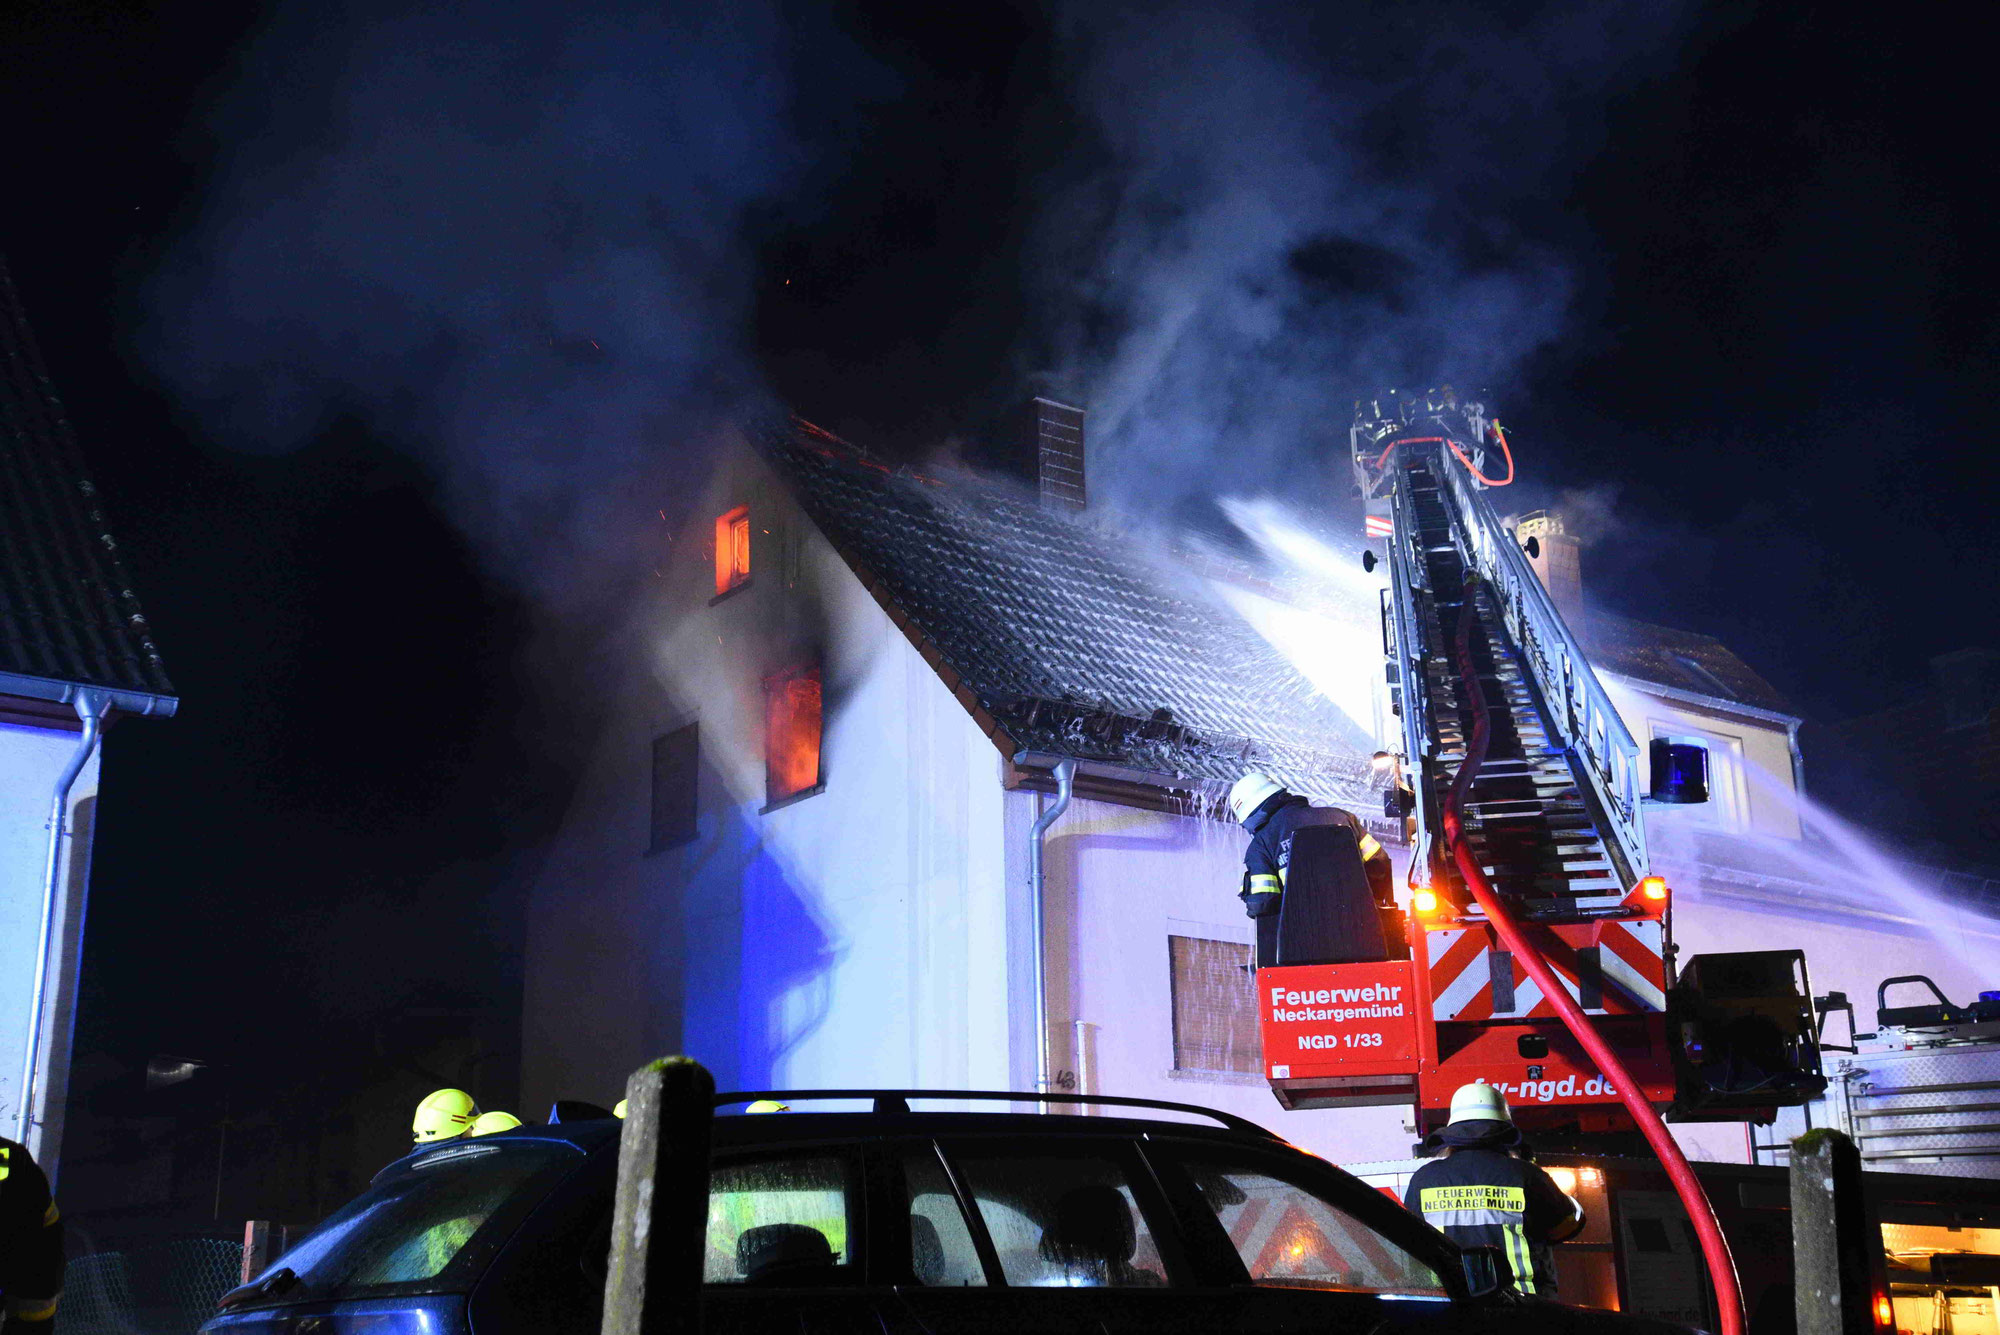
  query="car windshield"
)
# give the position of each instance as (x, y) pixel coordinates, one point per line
(428, 1229)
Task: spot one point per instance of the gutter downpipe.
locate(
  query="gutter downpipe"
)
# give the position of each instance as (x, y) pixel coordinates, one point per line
(1065, 773)
(91, 706)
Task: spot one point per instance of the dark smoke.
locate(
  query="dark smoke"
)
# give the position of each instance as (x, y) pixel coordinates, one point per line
(511, 238)
(1296, 207)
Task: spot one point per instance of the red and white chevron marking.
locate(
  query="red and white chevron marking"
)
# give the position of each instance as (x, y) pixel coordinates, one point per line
(1631, 965)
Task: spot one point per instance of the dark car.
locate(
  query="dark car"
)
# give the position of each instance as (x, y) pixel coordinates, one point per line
(894, 1222)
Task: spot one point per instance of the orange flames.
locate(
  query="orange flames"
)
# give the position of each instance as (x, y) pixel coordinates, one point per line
(732, 549)
(791, 734)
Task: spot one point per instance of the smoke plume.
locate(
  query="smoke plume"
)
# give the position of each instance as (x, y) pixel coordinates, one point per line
(1293, 208)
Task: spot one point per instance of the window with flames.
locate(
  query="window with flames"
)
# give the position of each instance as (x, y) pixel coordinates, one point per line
(732, 550)
(792, 728)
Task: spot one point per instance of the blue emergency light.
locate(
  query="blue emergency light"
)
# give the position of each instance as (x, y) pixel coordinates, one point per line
(1680, 772)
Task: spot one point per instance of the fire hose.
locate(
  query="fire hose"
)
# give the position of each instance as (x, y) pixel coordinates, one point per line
(1714, 1247)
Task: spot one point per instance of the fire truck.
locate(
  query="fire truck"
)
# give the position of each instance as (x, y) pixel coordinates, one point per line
(1537, 950)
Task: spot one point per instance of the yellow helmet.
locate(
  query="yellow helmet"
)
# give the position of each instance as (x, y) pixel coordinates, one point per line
(444, 1114)
(487, 1123)
(767, 1105)
(619, 1111)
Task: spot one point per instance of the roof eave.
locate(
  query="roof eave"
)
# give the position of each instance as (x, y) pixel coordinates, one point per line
(1715, 702)
(65, 692)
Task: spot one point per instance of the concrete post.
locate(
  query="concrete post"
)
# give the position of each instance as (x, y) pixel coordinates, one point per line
(660, 1220)
(1836, 1246)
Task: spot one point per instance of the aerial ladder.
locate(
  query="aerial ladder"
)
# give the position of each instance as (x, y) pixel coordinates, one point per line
(1539, 951)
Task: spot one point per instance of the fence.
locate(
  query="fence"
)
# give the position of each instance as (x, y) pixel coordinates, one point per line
(166, 1288)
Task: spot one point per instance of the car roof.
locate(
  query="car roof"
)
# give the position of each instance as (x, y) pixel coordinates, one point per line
(739, 1130)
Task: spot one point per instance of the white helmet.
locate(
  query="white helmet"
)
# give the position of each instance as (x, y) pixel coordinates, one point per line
(1250, 792)
(1480, 1102)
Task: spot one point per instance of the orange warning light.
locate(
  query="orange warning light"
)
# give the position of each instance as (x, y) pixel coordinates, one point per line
(1653, 887)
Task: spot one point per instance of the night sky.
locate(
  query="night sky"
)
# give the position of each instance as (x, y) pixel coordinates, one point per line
(389, 331)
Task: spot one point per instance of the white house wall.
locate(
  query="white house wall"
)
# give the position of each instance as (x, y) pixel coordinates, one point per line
(855, 937)
(31, 759)
(1120, 881)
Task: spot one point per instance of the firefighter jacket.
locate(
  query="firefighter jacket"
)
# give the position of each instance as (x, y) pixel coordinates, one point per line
(31, 1242)
(1482, 1196)
(1268, 867)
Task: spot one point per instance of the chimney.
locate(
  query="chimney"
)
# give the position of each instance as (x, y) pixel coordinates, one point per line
(1054, 434)
(1558, 561)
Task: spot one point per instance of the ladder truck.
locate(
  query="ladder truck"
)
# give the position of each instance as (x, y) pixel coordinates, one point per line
(1537, 951)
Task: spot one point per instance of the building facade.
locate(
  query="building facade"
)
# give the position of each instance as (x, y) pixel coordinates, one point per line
(806, 850)
(75, 656)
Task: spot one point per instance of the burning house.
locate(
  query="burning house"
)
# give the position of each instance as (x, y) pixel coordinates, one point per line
(900, 763)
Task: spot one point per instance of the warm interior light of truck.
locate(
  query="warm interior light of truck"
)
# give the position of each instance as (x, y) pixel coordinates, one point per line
(1564, 1178)
(1653, 887)
(1590, 1177)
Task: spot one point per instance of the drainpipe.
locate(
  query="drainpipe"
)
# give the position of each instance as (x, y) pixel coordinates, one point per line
(1065, 772)
(90, 708)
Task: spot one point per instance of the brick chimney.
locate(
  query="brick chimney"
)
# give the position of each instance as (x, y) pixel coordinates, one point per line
(1558, 561)
(1054, 439)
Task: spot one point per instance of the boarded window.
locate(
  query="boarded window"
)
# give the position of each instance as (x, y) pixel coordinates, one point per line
(792, 735)
(1215, 1011)
(676, 786)
(732, 550)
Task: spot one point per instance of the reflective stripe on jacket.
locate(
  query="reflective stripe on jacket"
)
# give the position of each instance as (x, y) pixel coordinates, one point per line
(1488, 1198)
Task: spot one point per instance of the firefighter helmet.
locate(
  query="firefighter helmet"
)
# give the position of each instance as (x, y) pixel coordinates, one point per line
(619, 1109)
(767, 1106)
(1251, 791)
(1480, 1102)
(443, 1115)
(487, 1123)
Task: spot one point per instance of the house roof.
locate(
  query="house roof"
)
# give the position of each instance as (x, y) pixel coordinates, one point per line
(1064, 636)
(67, 610)
(1678, 659)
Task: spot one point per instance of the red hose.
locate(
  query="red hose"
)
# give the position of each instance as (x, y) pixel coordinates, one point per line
(1714, 1247)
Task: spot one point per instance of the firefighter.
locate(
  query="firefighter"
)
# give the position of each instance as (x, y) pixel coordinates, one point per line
(1274, 818)
(1483, 1193)
(445, 1114)
(31, 1243)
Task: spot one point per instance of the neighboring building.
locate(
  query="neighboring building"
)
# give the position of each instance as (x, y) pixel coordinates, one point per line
(74, 656)
(802, 853)
(1940, 750)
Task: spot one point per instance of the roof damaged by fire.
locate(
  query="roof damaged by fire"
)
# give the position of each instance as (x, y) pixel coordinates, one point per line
(1067, 639)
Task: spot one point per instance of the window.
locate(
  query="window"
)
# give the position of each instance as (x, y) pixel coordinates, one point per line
(405, 1235)
(1704, 680)
(1289, 1237)
(781, 1222)
(1067, 1221)
(942, 1253)
(1728, 805)
(732, 550)
(676, 787)
(791, 735)
(1215, 1012)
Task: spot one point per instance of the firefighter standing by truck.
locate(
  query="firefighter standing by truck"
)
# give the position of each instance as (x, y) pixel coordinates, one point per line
(1484, 1194)
(1282, 855)
(31, 1243)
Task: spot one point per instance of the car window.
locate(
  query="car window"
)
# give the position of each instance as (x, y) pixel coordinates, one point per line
(1289, 1236)
(785, 1221)
(427, 1229)
(942, 1252)
(1068, 1221)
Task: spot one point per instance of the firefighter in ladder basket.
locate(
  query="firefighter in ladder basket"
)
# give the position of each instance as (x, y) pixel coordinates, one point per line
(1483, 1193)
(1315, 880)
